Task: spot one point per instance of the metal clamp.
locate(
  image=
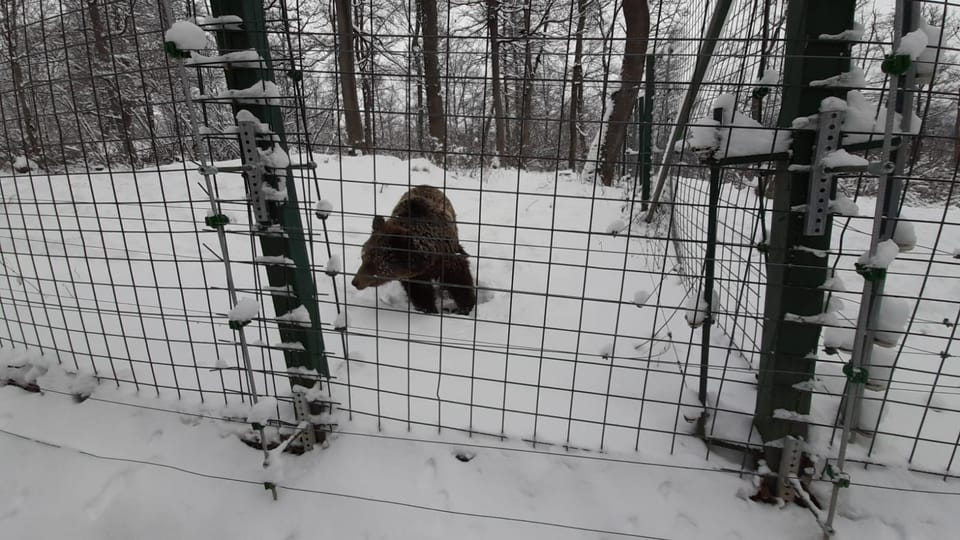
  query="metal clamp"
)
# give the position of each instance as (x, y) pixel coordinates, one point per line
(301, 411)
(840, 478)
(789, 467)
(821, 181)
(253, 170)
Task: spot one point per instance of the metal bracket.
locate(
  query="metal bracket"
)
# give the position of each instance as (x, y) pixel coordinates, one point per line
(253, 170)
(301, 411)
(821, 182)
(789, 467)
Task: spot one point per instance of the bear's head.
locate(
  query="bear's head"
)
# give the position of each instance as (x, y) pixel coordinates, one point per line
(387, 255)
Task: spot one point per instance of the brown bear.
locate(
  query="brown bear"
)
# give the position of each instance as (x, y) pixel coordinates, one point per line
(418, 246)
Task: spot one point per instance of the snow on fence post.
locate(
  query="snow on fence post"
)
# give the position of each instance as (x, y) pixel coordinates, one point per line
(794, 276)
(290, 244)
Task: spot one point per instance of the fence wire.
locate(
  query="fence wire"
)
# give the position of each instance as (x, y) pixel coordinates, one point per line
(580, 337)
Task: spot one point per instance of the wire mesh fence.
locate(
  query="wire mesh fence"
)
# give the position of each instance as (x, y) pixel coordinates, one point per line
(587, 331)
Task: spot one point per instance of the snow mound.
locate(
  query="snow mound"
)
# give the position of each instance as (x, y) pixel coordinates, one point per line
(853, 34)
(299, 316)
(275, 157)
(278, 194)
(340, 323)
(279, 260)
(323, 208)
(23, 164)
(769, 78)
(851, 79)
(334, 265)
(249, 58)
(892, 319)
(834, 283)
(844, 206)
(905, 236)
(737, 135)
(263, 411)
(697, 309)
(260, 93)
(842, 158)
(616, 227)
(640, 297)
(224, 21)
(913, 44)
(887, 251)
(865, 120)
(926, 62)
(704, 135)
(246, 309)
(186, 36)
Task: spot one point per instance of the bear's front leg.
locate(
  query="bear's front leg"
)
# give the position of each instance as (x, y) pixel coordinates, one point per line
(421, 294)
(458, 281)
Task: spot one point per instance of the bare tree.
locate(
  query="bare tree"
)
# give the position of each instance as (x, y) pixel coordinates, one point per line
(364, 50)
(417, 70)
(576, 98)
(431, 68)
(636, 16)
(493, 31)
(348, 76)
(29, 138)
(956, 136)
(528, 69)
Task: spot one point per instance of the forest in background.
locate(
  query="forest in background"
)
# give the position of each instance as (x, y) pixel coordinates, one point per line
(509, 83)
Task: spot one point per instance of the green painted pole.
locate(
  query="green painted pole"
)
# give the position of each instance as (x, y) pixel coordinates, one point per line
(292, 244)
(646, 130)
(794, 276)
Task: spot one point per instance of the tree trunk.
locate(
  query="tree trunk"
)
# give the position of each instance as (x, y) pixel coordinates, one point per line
(531, 65)
(416, 58)
(348, 75)
(576, 97)
(363, 51)
(956, 136)
(523, 92)
(636, 15)
(493, 29)
(431, 68)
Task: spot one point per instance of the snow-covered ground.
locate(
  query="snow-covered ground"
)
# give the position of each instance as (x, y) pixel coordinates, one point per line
(124, 466)
(577, 341)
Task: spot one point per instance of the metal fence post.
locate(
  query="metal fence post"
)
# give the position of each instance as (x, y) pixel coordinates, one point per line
(646, 130)
(709, 274)
(795, 267)
(289, 243)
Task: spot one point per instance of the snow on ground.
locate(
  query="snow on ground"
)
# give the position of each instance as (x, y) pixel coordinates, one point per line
(110, 468)
(558, 351)
(132, 291)
(522, 363)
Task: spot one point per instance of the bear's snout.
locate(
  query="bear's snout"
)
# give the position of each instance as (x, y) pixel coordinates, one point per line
(357, 283)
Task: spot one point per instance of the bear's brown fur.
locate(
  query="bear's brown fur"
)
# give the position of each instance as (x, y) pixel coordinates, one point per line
(418, 246)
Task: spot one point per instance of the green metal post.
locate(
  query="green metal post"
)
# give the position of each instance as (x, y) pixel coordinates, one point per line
(794, 275)
(646, 130)
(291, 244)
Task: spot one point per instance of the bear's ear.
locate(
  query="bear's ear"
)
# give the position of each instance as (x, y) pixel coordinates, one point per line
(378, 223)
